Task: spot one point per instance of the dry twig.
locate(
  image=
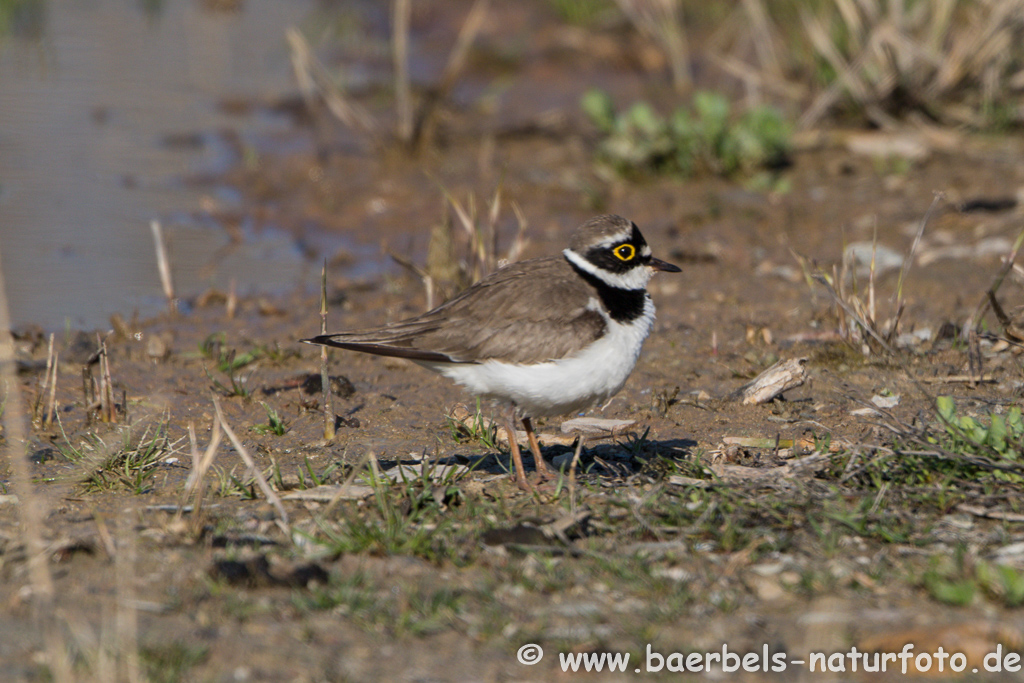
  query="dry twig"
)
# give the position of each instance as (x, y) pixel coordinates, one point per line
(325, 378)
(779, 378)
(163, 265)
(315, 79)
(400, 10)
(243, 453)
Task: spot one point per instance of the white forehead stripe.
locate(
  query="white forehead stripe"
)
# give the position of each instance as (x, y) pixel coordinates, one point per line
(613, 240)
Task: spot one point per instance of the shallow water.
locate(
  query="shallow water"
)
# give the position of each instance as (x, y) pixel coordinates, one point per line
(109, 111)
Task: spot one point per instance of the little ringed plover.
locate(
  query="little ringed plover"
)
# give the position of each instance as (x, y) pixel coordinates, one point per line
(550, 335)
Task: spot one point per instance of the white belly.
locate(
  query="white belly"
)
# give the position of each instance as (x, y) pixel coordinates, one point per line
(561, 386)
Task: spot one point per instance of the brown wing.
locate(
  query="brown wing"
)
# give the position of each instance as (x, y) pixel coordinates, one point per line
(527, 312)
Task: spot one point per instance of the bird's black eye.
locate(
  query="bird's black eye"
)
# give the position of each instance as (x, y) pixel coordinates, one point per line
(625, 252)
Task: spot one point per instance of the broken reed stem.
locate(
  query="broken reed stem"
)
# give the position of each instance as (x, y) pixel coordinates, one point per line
(88, 393)
(325, 378)
(29, 504)
(107, 409)
(38, 405)
(103, 385)
(243, 453)
(401, 10)
(163, 265)
(111, 410)
(51, 405)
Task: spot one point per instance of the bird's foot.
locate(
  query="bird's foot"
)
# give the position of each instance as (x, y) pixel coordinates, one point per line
(541, 481)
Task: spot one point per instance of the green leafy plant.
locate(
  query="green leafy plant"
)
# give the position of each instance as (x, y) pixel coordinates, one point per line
(315, 479)
(476, 429)
(398, 611)
(230, 484)
(275, 424)
(957, 580)
(229, 362)
(706, 137)
(403, 519)
(582, 12)
(130, 465)
(1001, 437)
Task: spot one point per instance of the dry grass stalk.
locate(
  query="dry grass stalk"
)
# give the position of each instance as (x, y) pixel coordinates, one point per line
(750, 29)
(325, 378)
(662, 21)
(969, 333)
(762, 32)
(243, 453)
(401, 10)
(463, 251)
(928, 53)
(343, 490)
(859, 322)
(897, 296)
(163, 265)
(315, 80)
(200, 466)
(423, 275)
(990, 294)
(1011, 330)
(423, 126)
(231, 305)
(30, 505)
(482, 236)
(865, 329)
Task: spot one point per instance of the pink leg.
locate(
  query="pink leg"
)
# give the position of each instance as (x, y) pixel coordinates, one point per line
(543, 471)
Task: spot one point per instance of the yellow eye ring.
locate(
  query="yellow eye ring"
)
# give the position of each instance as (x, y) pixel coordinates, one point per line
(625, 252)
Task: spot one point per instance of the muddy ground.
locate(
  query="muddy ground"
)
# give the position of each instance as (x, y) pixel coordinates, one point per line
(446, 581)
